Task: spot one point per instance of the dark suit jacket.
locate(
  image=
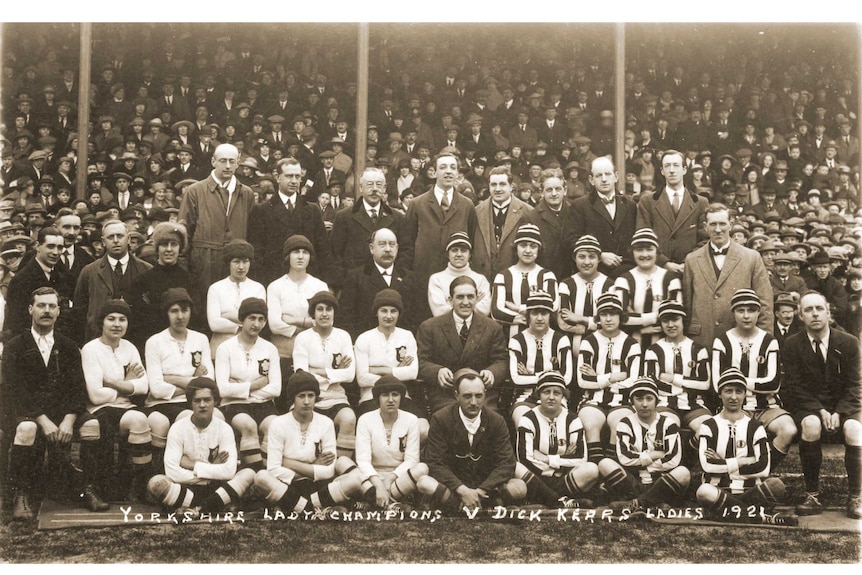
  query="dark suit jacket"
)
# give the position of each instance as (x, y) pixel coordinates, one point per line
(96, 286)
(591, 218)
(759, 209)
(33, 389)
(487, 464)
(554, 137)
(439, 345)
(836, 388)
(795, 327)
(360, 286)
(707, 298)
(677, 235)
(270, 225)
(29, 278)
(319, 180)
(351, 233)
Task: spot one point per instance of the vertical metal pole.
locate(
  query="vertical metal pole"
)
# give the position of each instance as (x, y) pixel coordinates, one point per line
(620, 103)
(84, 108)
(361, 103)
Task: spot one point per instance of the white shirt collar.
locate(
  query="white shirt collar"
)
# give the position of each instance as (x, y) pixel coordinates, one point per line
(123, 260)
(49, 337)
(284, 199)
(824, 340)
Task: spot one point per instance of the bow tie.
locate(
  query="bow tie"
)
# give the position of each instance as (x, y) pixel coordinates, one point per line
(721, 252)
(606, 201)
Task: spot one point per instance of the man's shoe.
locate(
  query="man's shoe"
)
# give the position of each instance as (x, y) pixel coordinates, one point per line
(92, 501)
(780, 519)
(630, 505)
(22, 510)
(811, 505)
(854, 507)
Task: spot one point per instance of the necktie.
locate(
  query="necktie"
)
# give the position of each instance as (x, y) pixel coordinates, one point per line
(744, 359)
(606, 201)
(720, 252)
(609, 358)
(289, 206)
(387, 276)
(552, 438)
(444, 203)
(588, 300)
(540, 357)
(648, 297)
(525, 287)
(463, 333)
(677, 360)
(65, 257)
(118, 278)
(374, 215)
(818, 353)
(676, 203)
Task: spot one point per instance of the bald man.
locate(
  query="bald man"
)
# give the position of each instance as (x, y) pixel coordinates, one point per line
(215, 211)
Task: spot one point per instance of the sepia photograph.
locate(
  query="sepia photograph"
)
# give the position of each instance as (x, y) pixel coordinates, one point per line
(406, 289)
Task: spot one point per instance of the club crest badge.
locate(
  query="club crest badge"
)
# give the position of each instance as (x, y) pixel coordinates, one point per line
(400, 353)
(263, 367)
(197, 356)
(336, 359)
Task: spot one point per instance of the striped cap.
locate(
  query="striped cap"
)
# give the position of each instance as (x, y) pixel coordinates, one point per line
(671, 307)
(609, 302)
(645, 236)
(459, 239)
(587, 243)
(641, 385)
(540, 300)
(528, 233)
(744, 296)
(551, 378)
(729, 376)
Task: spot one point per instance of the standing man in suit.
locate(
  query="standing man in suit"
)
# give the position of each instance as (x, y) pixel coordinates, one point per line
(712, 275)
(108, 278)
(607, 216)
(457, 340)
(555, 222)
(285, 215)
(353, 227)
(499, 217)
(46, 393)
(41, 271)
(428, 223)
(215, 211)
(365, 280)
(675, 214)
(822, 375)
